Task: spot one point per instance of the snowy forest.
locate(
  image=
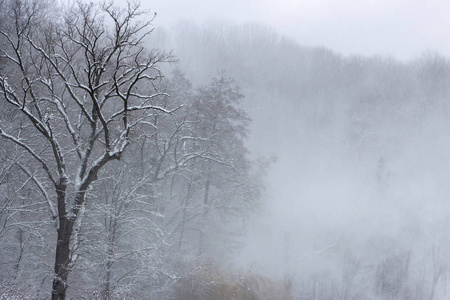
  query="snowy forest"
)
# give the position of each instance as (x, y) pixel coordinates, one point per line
(214, 161)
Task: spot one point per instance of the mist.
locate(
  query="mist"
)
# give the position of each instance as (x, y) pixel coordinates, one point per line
(357, 196)
(243, 150)
(402, 29)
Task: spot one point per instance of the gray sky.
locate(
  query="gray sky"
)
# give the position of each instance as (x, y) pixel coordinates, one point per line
(401, 28)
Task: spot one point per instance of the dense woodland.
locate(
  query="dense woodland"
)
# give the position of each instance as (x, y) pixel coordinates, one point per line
(136, 160)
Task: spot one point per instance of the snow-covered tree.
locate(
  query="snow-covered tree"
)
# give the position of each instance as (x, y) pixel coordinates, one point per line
(81, 84)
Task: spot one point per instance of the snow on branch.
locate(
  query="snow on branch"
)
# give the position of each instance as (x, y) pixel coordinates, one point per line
(31, 152)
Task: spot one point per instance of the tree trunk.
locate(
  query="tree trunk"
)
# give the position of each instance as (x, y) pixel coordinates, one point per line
(107, 291)
(62, 260)
(110, 257)
(204, 216)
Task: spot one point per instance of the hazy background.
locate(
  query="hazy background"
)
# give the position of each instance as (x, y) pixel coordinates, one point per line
(351, 98)
(402, 28)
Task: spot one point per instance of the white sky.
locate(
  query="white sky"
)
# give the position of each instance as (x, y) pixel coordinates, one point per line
(401, 28)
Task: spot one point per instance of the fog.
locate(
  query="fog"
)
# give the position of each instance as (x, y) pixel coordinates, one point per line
(402, 29)
(298, 150)
(359, 129)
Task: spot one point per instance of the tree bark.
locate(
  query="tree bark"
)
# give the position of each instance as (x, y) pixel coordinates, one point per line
(62, 259)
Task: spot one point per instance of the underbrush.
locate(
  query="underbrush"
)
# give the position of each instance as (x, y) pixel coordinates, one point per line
(208, 281)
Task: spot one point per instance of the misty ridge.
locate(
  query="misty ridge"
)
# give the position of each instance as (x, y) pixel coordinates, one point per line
(231, 162)
(361, 180)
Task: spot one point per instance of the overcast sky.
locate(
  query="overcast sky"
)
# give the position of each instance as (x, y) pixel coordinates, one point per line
(401, 28)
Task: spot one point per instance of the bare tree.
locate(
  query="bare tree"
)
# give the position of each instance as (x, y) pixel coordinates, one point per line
(82, 88)
(211, 193)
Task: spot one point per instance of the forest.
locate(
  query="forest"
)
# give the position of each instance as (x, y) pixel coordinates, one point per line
(214, 161)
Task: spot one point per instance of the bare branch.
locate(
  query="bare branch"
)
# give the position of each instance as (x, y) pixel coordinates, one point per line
(31, 152)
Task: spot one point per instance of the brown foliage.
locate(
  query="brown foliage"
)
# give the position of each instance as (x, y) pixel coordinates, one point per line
(208, 281)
